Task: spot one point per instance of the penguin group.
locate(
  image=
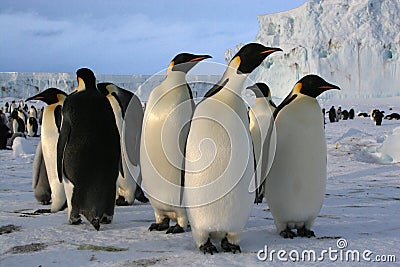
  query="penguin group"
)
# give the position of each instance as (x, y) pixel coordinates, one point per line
(201, 164)
(339, 114)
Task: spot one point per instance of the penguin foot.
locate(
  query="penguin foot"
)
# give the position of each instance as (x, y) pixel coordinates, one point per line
(106, 219)
(41, 211)
(75, 221)
(208, 247)
(139, 195)
(46, 202)
(121, 201)
(259, 199)
(228, 247)
(176, 229)
(304, 232)
(287, 233)
(96, 223)
(164, 225)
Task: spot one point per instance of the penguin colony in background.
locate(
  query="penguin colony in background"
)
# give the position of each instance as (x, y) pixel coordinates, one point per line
(201, 165)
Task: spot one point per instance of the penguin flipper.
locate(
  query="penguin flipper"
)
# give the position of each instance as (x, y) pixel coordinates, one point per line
(272, 103)
(58, 116)
(267, 162)
(62, 142)
(216, 88)
(37, 162)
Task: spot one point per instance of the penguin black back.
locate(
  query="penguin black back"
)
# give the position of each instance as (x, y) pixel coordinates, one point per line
(88, 150)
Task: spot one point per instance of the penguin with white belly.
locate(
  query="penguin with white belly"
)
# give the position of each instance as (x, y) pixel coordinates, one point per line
(295, 186)
(88, 153)
(219, 174)
(127, 188)
(51, 123)
(263, 133)
(165, 126)
(32, 127)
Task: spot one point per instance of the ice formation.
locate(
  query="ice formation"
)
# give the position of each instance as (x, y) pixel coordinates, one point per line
(352, 43)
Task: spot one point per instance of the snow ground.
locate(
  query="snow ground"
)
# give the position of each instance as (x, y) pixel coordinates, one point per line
(362, 206)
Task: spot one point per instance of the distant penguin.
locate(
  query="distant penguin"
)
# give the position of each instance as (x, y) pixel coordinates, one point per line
(3, 117)
(295, 186)
(377, 116)
(219, 178)
(54, 98)
(262, 130)
(40, 115)
(18, 125)
(33, 112)
(351, 114)
(345, 114)
(393, 116)
(13, 106)
(5, 133)
(332, 114)
(6, 108)
(22, 115)
(40, 181)
(363, 114)
(88, 153)
(119, 99)
(338, 114)
(32, 127)
(165, 126)
(21, 104)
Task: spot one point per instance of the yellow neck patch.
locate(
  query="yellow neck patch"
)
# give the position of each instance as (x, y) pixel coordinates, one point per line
(235, 62)
(297, 88)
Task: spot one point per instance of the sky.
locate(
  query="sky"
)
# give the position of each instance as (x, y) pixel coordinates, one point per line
(122, 36)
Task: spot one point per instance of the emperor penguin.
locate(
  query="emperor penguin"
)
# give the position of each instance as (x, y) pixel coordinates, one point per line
(295, 186)
(54, 98)
(33, 112)
(18, 124)
(119, 99)
(40, 181)
(165, 126)
(263, 133)
(219, 168)
(88, 153)
(32, 126)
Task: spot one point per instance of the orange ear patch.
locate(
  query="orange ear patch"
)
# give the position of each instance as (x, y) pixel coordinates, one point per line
(297, 88)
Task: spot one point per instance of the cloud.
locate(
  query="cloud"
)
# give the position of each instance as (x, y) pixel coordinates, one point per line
(129, 37)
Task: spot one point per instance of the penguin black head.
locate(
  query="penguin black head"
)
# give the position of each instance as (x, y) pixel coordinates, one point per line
(313, 86)
(250, 57)
(86, 79)
(14, 114)
(185, 61)
(260, 89)
(49, 96)
(104, 88)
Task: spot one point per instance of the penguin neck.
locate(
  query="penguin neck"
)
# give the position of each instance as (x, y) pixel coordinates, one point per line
(263, 99)
(235, 82)
(175, 78)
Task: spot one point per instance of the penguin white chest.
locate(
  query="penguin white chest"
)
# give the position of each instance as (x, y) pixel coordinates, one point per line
(164, 134)
(219, 183)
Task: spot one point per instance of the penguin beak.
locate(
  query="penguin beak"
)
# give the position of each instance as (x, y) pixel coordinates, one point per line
(37, 97)
(270, 50)
(329, 87)
(200, 58)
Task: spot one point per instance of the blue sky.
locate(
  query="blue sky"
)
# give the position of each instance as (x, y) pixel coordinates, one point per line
(121, 36)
